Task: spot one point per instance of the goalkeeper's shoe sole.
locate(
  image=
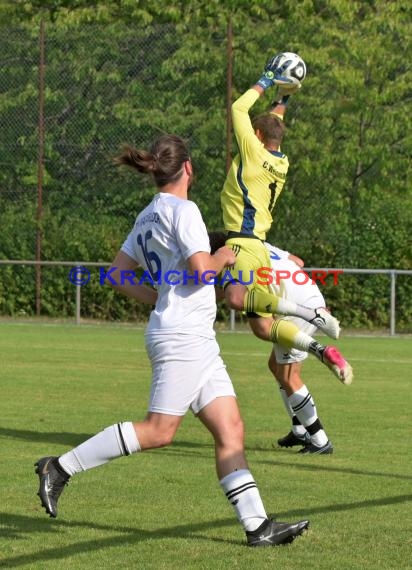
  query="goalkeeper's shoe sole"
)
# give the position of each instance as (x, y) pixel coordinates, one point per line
(272, 533)
(338, 365)
(326, 323)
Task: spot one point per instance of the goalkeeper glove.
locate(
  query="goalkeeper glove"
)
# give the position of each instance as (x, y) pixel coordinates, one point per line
(286, 85)
(273, 64)
(266, 80)
(286, 89)
(269, 79)
(270, 74)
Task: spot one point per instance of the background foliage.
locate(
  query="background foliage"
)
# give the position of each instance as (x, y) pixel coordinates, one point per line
(127, 70)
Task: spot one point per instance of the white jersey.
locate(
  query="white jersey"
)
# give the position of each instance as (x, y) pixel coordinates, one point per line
(164, 236)
(293, 287)
(306, 294)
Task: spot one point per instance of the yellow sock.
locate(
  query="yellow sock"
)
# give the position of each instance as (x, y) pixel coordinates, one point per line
(260, 302)
(289, 335)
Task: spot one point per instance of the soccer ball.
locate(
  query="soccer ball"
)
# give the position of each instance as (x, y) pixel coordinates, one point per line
(292, 66)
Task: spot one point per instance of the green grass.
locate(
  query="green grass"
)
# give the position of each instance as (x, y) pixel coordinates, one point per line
(165, 509)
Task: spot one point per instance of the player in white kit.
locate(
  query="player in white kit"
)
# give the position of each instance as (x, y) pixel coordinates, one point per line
(169, 240)
(285, 364)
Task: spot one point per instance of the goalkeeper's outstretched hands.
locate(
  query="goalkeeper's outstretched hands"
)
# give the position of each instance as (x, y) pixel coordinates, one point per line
(272, 75)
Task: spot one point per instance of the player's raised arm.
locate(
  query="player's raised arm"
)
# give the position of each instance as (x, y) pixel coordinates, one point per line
(285, 71)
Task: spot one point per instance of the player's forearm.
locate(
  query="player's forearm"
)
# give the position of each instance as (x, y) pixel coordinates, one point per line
(209, 266)
(278, 108)
(240, 107)
(217, 263)
(210, 269)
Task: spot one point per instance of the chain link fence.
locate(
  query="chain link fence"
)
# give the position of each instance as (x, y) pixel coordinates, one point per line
(68, 101)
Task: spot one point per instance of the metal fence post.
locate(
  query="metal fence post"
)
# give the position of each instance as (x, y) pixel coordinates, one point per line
(78, 301)
(232, 319)
(40, 171)
(392, 304)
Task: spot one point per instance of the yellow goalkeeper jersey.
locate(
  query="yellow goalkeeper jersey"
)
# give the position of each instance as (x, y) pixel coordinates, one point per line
(255, 179)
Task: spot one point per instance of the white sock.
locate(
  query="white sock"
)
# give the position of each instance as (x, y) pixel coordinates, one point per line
(114, 441)
(242, 492)
(286, 403)
(286, 307)
(297, 427)
(302, 341)
(319, 438)
(304, 408)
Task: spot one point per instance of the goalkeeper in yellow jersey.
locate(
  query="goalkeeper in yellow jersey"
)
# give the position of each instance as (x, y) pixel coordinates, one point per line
(252, 186)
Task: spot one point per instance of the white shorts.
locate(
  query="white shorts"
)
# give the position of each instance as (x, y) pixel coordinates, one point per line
(187, 372)
(290, 355)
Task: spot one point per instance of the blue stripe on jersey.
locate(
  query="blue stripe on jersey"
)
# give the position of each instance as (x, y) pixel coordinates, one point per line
(274, 255)
(277, 153)
(249, 211)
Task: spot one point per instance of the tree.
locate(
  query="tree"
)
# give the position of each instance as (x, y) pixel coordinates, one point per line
(125, 71)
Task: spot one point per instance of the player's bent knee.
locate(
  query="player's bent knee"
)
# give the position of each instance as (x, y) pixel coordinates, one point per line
(231, 434)
(261, 327)
(157, 430)
(235, 304)
(162, 439)
(273, 365)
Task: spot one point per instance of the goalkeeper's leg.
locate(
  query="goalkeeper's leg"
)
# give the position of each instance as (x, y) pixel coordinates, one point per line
(286, 333)
(240, 298)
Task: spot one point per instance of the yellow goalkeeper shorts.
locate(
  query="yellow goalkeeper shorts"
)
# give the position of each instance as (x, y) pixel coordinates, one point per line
(252, 267)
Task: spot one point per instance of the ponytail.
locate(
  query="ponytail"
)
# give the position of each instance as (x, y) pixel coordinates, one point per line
(141, 160)
(164, 160)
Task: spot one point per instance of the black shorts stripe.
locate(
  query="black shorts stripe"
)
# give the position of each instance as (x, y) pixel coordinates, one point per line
(252, 315)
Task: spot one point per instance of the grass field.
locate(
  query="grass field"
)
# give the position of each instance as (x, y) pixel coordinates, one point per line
(165, 509)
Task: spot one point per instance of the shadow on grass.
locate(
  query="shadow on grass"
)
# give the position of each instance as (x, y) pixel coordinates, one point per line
(73, 439)
(64, 438)
(337, 508)
(330, 468)
(19, 527)
(304, 463)
(187, 448)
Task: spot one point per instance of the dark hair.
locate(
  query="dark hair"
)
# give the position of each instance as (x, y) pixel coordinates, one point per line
(271, 127)
(164, 159)
(217, 240)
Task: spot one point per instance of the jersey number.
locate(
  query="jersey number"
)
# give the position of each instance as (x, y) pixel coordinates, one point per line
(273, 188)
(152, 259)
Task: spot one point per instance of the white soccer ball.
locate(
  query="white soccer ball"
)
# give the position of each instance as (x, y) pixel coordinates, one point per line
(292, 66)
